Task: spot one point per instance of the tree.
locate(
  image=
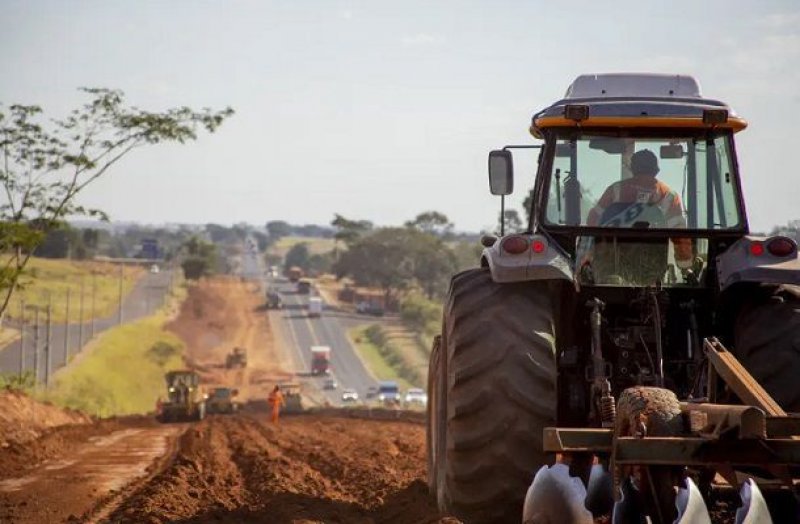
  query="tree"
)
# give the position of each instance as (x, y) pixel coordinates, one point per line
(395, 259)
(46, 165)
(278, 229)
(349, 231)
(298, 256)
(432, 222)
(201, 259)
(526, 205)
(513, 222)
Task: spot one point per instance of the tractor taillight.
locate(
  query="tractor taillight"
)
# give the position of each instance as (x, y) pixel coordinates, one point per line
(538, 246)
(515, 245)
(781, 247)
(756, 248)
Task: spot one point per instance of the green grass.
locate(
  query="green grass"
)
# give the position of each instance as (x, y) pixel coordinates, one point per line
(122, 372)
(371, 356)
(48, 280)
(316, 246)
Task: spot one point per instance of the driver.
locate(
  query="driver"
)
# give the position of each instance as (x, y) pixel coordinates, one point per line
(643, 201)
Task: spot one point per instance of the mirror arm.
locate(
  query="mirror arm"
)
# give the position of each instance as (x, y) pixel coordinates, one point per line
(502, 215)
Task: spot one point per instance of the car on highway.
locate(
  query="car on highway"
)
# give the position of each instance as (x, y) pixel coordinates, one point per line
(154, 269)
(330, 384)
(389, 392)
(349, 395)
(416, 396)
(367, 308)
(372, 392)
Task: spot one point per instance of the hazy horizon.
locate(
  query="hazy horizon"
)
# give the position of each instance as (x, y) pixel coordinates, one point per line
(379, 110)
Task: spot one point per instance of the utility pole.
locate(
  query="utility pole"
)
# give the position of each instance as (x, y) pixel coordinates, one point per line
(121, 275)
(66, 329)
(21, 337)
(48, 340)
(80, 319)
(94, 292)
(36, 346)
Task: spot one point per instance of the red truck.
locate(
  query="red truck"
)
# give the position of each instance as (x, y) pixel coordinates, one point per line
(320, 360)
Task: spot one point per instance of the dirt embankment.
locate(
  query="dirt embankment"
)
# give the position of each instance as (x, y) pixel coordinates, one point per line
(307, 469)
(220, 314)
(23, 419)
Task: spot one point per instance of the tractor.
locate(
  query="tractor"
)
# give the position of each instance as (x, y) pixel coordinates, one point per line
(185, 400)
(635, 344)
(237, 358)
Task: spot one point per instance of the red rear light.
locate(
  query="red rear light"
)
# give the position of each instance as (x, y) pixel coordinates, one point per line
(538, 246)
(515, 245)
(781, 246)
(756, 248)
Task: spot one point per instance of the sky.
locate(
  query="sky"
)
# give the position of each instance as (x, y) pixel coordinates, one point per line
(380, 110)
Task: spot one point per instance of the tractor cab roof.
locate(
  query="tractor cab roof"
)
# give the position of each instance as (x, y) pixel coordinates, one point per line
(636, 101)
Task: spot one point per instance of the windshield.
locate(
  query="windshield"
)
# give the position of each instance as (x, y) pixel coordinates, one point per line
(630, 182)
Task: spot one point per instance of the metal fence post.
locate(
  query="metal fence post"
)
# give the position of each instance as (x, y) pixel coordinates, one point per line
(48, 341)
(80, 319)
(66, 329)
(36, 346)
(21, 337)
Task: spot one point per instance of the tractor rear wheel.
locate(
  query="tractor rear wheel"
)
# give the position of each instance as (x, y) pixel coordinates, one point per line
(496, 391)
(767, 342)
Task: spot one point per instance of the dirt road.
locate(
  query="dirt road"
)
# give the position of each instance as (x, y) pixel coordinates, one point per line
(241, 468)
(220, 314)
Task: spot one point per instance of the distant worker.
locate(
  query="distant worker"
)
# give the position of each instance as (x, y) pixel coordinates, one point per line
(276, 400)
(642, 201)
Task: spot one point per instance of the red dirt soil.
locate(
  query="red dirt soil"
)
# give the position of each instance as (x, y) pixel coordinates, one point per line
(306, 469)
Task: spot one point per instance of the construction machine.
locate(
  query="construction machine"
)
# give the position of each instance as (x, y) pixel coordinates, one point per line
(292, 396)
(634, 349)
(222, 400)
(185, 401)
(236, 358)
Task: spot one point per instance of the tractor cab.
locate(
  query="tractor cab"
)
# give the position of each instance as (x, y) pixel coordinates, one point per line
(637, 184)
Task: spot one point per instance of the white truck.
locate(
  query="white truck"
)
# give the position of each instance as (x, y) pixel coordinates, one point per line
(315, 307)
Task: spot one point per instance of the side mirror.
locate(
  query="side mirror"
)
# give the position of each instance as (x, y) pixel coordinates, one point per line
(501, 173)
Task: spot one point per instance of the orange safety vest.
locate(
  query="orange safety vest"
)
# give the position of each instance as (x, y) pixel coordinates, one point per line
(647, 191)
(276, 399)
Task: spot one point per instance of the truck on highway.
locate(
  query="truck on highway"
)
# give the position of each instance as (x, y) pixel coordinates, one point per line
(294, 274)
(320, 360)
(274, 300)
(304, 286)
(315, 307)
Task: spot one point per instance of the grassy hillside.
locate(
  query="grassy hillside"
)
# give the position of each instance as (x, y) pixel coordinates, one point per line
(316, 246)
(122, 372)
(49, 279)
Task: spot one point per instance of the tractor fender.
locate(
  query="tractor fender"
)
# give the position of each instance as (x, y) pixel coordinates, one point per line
(549, 264)
(749, 260)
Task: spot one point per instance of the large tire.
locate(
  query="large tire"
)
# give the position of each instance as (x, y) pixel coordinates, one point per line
(498, 383)
(767, 342)
(435, 415)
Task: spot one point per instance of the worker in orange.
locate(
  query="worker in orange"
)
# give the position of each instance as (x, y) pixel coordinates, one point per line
(643, 199)
(276, 400)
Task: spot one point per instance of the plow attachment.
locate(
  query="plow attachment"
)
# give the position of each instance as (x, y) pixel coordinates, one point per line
(671, 479)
